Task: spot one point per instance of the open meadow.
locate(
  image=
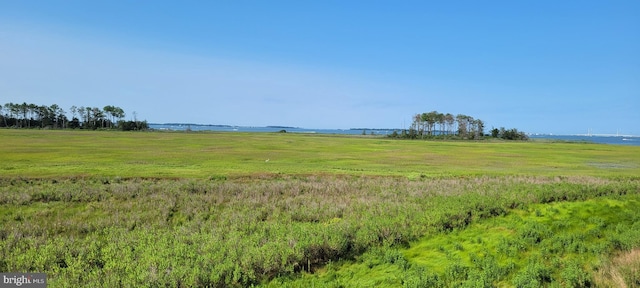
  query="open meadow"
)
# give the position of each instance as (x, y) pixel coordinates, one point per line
(55, 154)
(129, 209)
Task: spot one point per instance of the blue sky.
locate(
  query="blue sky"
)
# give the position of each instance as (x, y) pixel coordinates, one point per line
(539, 66)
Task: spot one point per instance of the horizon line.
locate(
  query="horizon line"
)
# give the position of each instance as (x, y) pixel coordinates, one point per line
(363, 128)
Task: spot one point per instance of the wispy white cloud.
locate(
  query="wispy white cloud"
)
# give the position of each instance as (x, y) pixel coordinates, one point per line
(43, 66)
(165, 86)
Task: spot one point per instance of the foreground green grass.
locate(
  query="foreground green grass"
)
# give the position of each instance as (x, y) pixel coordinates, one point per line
(560, 244)
(38, 153)
(111, 209)
(185, 233)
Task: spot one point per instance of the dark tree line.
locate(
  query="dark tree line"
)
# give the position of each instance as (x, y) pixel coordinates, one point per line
(508, 134)
(440, 125)
(16, 115)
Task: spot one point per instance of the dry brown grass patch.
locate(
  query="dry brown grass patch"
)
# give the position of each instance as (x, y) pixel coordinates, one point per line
(621, 271)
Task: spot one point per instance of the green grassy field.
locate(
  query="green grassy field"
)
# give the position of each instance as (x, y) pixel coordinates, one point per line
(543, 245)
(41, 154)
(117, 209)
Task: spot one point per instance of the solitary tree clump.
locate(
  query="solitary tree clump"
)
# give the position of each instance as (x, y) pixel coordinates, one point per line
(436, 125)
(511, 134)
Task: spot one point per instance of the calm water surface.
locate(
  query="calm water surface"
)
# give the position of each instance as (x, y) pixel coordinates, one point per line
(617, 140)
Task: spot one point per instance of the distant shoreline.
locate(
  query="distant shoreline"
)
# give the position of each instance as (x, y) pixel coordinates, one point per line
(628, 140)
(271, 126)
(545, 135)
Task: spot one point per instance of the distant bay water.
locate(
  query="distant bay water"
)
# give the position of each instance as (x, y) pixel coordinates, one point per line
(228, 128)
(608, 139)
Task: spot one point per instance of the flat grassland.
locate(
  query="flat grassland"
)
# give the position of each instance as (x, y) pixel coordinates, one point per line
(43, 154)
(124, 209)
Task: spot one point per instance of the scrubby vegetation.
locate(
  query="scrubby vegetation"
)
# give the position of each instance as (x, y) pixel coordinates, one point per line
(622, 270)
(508, 134)
(554, 244)
(117, 209)
(114, 232)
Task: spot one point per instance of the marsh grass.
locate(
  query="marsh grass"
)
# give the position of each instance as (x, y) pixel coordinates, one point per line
(544, 244)
(110, 209)
(103, 232)
(68, 153)
(560, 244)
(622, 270)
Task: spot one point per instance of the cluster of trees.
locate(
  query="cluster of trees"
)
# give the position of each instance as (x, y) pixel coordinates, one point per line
(25, 115)
(435, 124)
(508, 134)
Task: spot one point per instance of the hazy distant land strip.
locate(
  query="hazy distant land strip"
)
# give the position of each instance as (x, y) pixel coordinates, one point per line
(602, 139)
